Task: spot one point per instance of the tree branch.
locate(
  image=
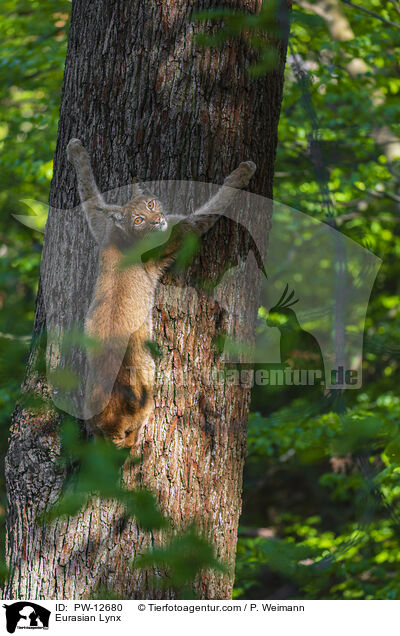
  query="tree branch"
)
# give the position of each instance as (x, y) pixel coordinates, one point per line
(10, 336)
(371, 13)
(381, 195)
(396, 5)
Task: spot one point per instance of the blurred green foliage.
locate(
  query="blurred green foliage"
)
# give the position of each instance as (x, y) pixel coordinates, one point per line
(32, 53)
(321, 504)
(322, 488)
(336, 535)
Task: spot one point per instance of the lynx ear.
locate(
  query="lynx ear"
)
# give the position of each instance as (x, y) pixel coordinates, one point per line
(139, 189)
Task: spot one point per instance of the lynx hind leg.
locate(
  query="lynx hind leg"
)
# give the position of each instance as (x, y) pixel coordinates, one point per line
(130, 428)
(141, 407)
(129, 408)
(121, 429)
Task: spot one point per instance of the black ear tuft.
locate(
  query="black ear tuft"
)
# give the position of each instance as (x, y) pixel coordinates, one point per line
(140, 189)
(136, 189)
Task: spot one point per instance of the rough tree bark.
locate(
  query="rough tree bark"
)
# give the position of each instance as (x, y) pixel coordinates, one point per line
(146, 101)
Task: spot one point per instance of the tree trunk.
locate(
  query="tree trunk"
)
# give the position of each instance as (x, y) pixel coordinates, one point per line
(146, 101)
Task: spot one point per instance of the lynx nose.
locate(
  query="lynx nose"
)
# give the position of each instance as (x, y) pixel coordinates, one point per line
(160, 223)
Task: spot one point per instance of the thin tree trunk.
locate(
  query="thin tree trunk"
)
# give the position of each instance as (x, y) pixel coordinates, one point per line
(332, 11)
(146, 102)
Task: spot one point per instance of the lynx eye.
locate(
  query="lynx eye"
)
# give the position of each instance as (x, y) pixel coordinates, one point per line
(138, 220)
(150, 205)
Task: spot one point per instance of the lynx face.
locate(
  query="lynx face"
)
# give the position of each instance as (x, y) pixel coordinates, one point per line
(138, 217)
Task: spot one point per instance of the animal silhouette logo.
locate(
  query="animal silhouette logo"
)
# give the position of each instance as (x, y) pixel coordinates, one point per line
(26, 615)
(299, 349)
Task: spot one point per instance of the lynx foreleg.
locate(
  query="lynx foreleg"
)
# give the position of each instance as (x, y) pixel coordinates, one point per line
(91, 199)
(79, 157)
(205, 216)
(237, 180)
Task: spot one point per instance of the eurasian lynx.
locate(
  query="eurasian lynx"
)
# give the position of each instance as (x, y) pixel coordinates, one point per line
(119, 397)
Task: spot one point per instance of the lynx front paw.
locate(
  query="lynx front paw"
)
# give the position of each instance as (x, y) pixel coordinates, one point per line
(75, 150)
(242, 175)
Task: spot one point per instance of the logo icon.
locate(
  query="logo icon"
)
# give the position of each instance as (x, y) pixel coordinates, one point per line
(298, 348)
(26, 615)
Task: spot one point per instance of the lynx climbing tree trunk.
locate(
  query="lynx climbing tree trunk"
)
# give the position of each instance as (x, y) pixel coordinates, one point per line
(147, 101)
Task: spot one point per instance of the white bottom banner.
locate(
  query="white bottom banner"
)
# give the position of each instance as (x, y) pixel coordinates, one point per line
(180, 617)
